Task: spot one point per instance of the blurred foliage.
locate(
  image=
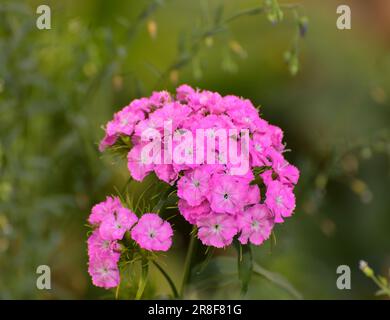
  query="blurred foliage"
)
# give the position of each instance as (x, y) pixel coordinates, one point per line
(381, 281)
(58, 86)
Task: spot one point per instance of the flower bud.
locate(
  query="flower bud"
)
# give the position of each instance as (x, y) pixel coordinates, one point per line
(366, 269)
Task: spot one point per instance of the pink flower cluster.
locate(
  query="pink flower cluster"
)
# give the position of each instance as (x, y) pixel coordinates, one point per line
(220, 204)
(111, 221)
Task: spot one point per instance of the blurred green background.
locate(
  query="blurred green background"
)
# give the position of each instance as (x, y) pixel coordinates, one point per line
(59, 86)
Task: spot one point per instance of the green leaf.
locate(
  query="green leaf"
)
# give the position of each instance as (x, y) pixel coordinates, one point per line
(163, 199)
(277, 279)
(209, 254)
(244, 264)
(219, 272)
(222, 272)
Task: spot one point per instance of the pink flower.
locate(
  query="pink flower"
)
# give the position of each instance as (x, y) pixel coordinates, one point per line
(289, 175)
(103, 209)
(260, 146)
(152, 233)
(183, 91)
(124, 121)
(193, 213)
(174, 112)
(217, 230)
(244, 114)
(286, 172)
(138, 166)
(226, 194)
(166, 173)
(106, 142)
(117, 223)
(253, 195)
(194, 186)
(256, 224)
(122, 124)
(142, 104)
(100, 248)
(280, 199)
(104, 273)
(160, 98)
(267, 176)
(215, 197)
(212, 102)
(276, 137)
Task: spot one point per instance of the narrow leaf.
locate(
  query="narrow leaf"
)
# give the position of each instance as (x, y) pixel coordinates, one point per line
(204, 264)
(244, 264)
(277, 279)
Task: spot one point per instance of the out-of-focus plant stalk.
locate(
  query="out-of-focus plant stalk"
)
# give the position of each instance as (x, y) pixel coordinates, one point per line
(169, 280)
(381, 282)
(187, 263)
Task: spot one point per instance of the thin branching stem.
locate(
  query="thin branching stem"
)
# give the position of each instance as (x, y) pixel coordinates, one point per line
(168, 278)
(187, 263)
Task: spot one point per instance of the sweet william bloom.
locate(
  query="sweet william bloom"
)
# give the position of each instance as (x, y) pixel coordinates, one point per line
(158, 99)
(260, 146)
(104, 272)
(124, 121)
(122, 124)
(99, 248)
(256, 224)
(138, 166)
(103, 209)
(280, 199)
(183, 92)
(226, 194)
(286, 172)
(276, 137)
(244, 114)
(267, 176)
(194, 186)
(193, 213)
(217, 230)
(166, 173)
(106, 142)
(253, 195)
(173, 112)
(212, 102)
(219, 204)
(117, 223)
(152, 233)
(289, 175)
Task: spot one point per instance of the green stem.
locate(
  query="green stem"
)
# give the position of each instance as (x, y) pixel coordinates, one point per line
(143, 279)
(187, 263)
(385, 289)
(168, 278)
(117, 291)
(163, 199)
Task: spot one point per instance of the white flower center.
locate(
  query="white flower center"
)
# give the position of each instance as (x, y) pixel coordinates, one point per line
(152, 233)
(196, 183)
(216, 228)
(255, 225)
